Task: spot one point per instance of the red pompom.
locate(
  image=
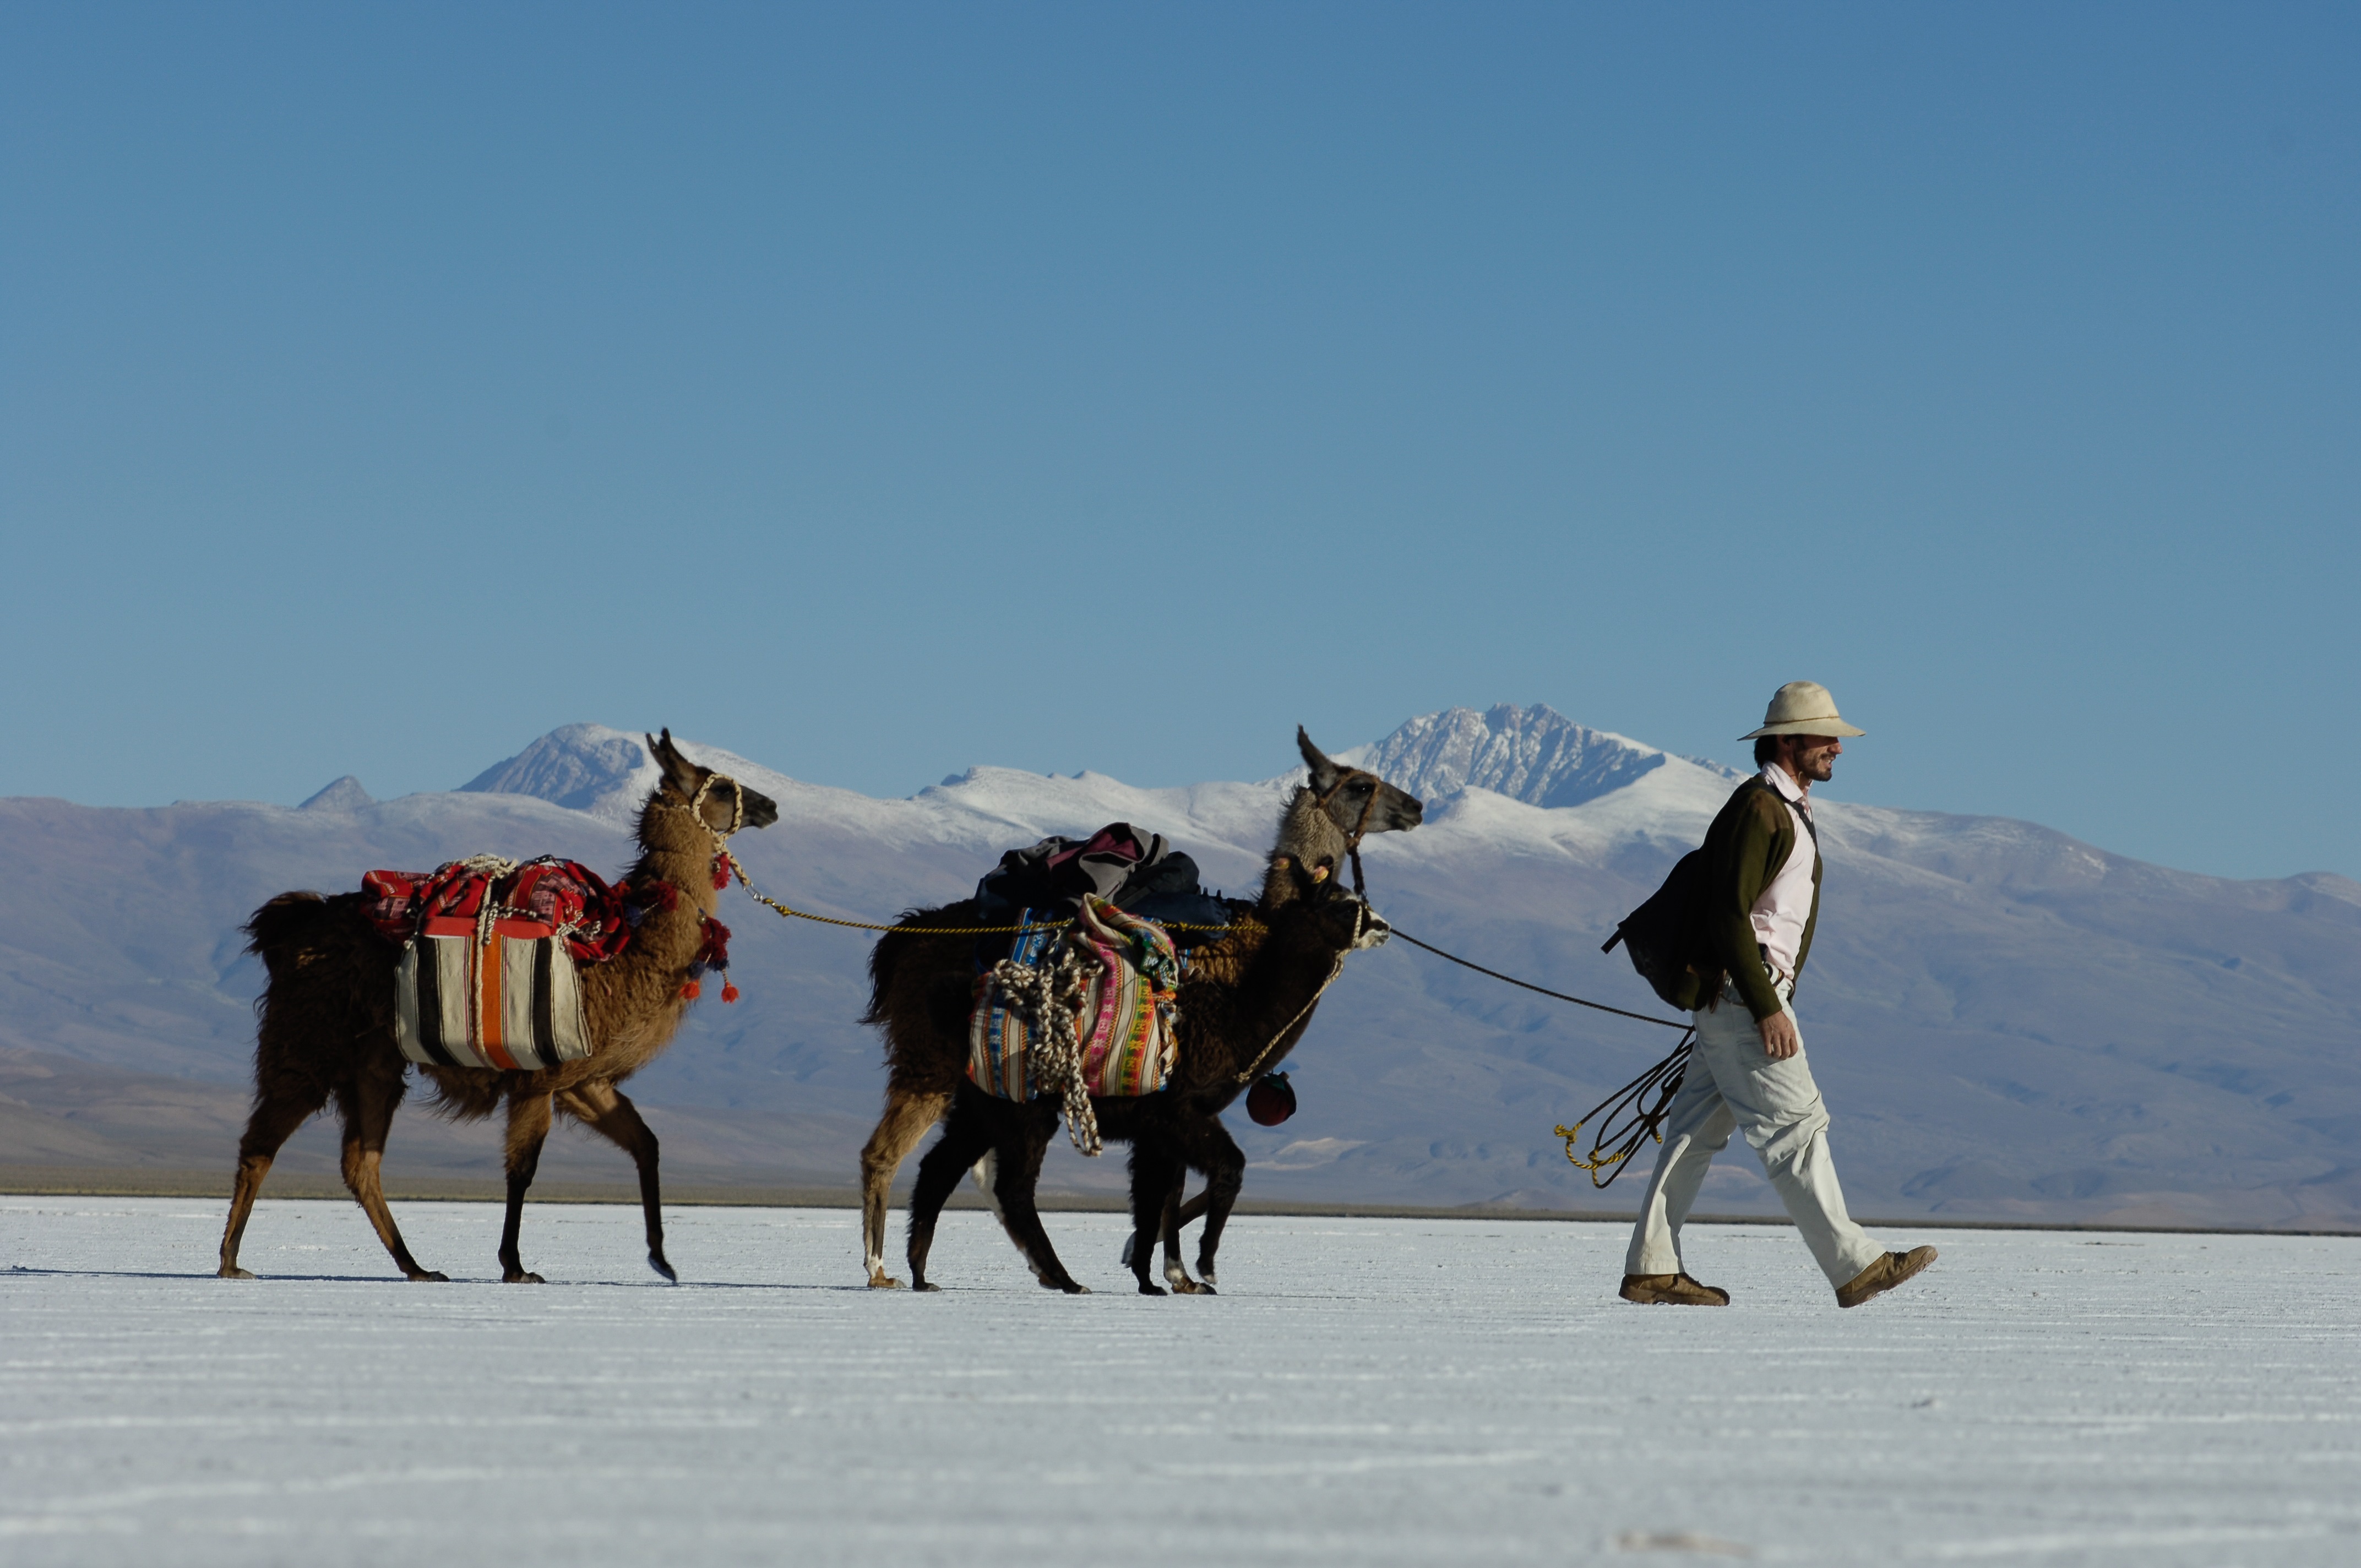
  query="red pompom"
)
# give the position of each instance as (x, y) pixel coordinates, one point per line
(729, 993)
(692, 991)
(720, 874)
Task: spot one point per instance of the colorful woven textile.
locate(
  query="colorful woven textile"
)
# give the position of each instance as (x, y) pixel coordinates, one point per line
(1124, 1019)
(567, 896)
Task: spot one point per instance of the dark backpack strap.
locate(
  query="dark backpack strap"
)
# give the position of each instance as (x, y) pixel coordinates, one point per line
(1809, 827)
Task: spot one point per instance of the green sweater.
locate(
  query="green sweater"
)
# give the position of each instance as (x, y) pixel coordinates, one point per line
(1748, 842)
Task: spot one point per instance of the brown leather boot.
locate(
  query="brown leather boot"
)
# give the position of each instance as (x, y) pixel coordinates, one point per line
(1670, 1290)
(1883, 1275)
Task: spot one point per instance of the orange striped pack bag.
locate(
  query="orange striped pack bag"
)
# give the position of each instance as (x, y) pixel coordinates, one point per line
(497, 993)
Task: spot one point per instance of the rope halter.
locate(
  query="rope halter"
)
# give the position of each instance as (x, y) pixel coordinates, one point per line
(1360, 828)
(737, 805)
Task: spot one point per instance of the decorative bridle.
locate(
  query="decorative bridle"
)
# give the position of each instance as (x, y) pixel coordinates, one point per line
(737, 807)
(716, 935)
(721, 836)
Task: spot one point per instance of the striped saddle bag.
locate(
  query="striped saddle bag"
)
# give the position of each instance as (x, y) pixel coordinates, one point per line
(1124, 1022)
(503, 998)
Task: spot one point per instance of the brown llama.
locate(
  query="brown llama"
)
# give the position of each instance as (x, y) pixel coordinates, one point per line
(922, 987)
(327, 1024)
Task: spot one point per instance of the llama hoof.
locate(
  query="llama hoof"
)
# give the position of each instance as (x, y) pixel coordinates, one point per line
(521, 1276)
(1068, 1286)
(1147, 1290)
(1205, 1274)
(922, 1284)
(428, 1277)
(232, 1271)
(880, 1280)
(656, 1261)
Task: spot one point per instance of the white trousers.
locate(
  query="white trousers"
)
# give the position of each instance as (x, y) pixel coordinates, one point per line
(1731, 1083)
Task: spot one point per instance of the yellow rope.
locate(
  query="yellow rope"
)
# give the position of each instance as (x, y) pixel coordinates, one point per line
(760, 897)
(1625, 1118)
(696, 809)
(1571, 1133)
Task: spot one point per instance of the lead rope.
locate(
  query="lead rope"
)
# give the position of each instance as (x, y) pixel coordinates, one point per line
(721, 851)
(1624, 1118)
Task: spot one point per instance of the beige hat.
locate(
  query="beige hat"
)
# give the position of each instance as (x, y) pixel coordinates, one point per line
(1802, 707)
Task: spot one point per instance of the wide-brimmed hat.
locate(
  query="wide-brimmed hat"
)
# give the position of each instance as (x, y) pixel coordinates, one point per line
(1802, 707)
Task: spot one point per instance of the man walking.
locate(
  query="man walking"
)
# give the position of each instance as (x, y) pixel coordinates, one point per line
(1760, 899)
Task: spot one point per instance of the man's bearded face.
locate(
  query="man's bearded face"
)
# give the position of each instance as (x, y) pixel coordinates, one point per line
(1814, 757)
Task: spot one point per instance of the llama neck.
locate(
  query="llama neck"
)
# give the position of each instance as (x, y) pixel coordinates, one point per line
(1276, 995)
(675, 849)
(1310, 851)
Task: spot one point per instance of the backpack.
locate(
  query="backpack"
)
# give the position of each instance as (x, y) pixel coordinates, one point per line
(1661, 935)
(1658, 936)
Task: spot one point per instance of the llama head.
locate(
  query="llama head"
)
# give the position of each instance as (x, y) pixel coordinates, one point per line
(724, 807)
(1324, 823)
(1356, 801)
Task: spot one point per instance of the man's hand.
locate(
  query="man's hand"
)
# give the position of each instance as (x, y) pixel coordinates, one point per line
(1780, 1040)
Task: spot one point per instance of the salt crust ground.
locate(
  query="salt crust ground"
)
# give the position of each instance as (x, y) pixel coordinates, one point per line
(1364, 1392)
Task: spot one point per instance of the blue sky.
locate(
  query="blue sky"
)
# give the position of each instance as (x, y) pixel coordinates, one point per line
(1110, 386)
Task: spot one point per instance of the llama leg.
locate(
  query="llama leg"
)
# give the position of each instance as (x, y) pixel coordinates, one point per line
(274, 1121)
(1017, 1176)
(1191, 1213)
(1224, 1164)
(608, 1112)
(907, 1117)
(368, 1105)
(1175, 1274)
(967, 1136)
(1157, 1173)
(1172, 1155)
(528, 1130)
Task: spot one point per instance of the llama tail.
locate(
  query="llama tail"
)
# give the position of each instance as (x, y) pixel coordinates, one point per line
(284, 928)
(882, 959)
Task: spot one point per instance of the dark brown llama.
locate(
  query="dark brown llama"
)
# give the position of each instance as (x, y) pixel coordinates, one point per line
(1257, 988)
(922, 987)
(327, 1024)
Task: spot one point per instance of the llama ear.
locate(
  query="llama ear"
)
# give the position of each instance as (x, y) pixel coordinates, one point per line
(677, 769)
(1324, 771)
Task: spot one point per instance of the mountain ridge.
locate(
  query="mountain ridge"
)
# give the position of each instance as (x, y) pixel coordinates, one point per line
(2009, 1024)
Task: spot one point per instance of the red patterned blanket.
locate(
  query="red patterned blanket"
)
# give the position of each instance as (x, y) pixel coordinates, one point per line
(461, 897)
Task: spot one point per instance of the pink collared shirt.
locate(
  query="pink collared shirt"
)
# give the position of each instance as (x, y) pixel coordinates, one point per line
(1784, 907)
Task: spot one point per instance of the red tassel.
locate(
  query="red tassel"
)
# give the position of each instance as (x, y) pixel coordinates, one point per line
(720, 874)
(729, 993)
(692, 991)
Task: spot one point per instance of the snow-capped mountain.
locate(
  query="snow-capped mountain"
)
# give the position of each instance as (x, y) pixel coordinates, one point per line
(2007, 1022)
(1534, 754)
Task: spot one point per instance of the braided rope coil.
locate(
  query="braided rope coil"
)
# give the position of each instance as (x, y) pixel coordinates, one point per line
(1048, 996)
